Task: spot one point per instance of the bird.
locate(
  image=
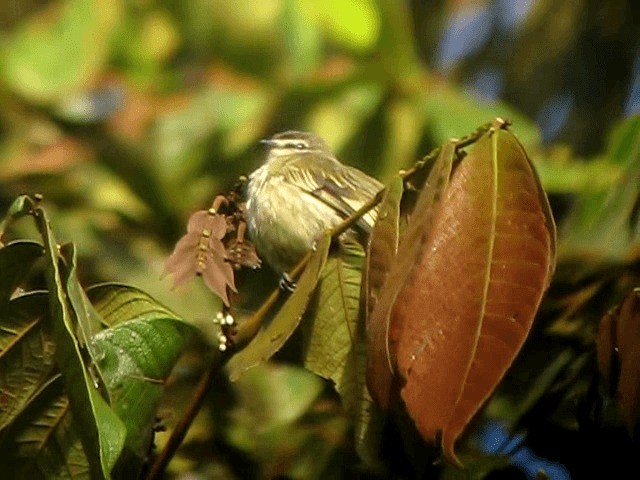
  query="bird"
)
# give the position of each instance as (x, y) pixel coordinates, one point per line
(301, 191)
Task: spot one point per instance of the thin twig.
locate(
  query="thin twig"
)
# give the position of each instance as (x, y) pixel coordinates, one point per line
(181, 429)
(459, 144)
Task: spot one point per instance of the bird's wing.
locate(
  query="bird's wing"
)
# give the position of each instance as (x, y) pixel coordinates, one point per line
(343, 188)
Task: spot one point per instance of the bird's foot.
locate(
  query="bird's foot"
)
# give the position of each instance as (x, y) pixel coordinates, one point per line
(286, 283)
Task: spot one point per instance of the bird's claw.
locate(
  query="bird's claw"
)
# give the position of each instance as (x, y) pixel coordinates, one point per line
(286, 283)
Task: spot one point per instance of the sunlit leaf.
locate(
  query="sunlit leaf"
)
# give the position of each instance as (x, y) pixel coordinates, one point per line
(302, 36)
(405, 126)
(398, 55)
(273, 335)
(138, 353)
(183, 135)
(146, 41)
(482, 270)
(339, 117)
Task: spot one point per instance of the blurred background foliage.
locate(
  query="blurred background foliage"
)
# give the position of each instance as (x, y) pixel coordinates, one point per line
(128, 115)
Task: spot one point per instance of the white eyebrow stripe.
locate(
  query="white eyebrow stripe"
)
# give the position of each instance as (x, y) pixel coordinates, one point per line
(285, 143)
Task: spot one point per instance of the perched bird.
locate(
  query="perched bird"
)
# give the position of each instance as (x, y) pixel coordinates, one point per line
(298, 193)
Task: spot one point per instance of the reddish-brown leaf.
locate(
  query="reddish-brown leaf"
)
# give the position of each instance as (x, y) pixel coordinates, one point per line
(393, 273)
(201, 252)
(618, 340)
(467, 306)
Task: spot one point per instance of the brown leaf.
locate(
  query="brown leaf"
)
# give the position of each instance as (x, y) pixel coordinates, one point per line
(617, 344)
(606, 346)
(201, 252)
(182, 262)
(381, 360)
(242, 253)
(465, 310)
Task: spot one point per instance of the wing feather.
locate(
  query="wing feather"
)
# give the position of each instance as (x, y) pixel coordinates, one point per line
(343, 188)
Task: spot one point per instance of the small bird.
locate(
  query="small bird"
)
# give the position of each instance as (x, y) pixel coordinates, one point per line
(301, 191)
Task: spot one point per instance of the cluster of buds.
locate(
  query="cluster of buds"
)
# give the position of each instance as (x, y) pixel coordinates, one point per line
(227, 326)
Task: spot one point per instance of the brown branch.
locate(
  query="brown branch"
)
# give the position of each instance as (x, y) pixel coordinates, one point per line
(181, 429)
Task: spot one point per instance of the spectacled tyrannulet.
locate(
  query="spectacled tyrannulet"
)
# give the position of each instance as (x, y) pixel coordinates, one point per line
(301, 191)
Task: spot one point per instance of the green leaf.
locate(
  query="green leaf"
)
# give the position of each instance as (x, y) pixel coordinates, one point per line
(16, 260)
(47, 59)
(26, 354)
(397, 56)
(43, 442)
(272, 336)
(336, 343)
(405, 127)
(20, 207)
(577, 176)
(274, 394)
(137, 355)
(117, 303)
(85, 318)
(101, 431)
(601, 223)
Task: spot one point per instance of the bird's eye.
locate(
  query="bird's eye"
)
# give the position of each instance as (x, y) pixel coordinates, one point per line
(300, 146)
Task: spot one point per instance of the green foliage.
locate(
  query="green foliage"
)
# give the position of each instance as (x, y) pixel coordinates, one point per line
(73, 390)
(281, 421)
(336, 348)
(46, 60)
(137, 353)
(605, 223)
(129, 116)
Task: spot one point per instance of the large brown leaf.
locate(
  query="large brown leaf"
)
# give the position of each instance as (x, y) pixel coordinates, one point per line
(469, 302)
(390, 270)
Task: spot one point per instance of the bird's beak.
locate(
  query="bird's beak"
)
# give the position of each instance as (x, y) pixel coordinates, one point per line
(268, 142)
